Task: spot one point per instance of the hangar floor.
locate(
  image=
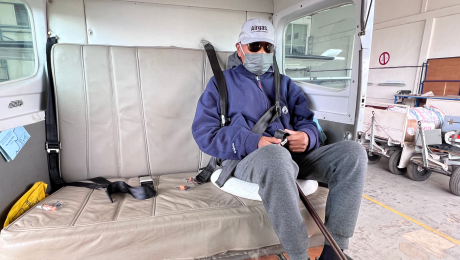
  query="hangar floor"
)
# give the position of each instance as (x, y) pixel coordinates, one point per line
(421, 220)
(404, 219)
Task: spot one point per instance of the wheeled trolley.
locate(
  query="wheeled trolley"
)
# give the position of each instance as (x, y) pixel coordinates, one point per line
(443, 158)
(388, 133)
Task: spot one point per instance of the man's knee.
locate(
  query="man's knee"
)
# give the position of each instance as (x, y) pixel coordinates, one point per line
(274, 152)
(277, 159)
(351, 159)
(351, 150)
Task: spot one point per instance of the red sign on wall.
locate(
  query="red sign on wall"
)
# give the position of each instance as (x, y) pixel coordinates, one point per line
(384, 58)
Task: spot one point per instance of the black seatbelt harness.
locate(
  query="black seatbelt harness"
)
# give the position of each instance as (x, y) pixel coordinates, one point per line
(221, 84)
(52, 145)
(259, 128)
(53, 148)
(145, 191)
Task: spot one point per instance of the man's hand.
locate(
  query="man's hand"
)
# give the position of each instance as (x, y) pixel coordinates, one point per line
(297, 141)
(264, 140)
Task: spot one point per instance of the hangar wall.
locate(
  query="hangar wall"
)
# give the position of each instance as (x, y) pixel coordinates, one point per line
(411, 31)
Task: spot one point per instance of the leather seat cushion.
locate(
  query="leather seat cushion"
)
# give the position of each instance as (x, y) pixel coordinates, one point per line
(205, 220)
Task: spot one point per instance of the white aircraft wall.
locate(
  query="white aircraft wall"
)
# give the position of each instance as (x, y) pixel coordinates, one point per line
(153, 22)
(411, 31)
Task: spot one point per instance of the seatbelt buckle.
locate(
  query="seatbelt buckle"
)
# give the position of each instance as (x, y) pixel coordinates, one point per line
(146, 180)
(282, 135)
(53, 147)
(278, 108)
(284, 142)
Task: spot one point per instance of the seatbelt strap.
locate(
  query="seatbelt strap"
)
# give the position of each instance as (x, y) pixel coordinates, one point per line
(145, 191)
(221, 84)
(267, 118)
(52, 145)
(277, 79)
(207, 171)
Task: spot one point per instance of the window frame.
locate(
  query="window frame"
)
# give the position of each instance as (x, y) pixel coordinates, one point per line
(34, 44)
(283, 54)
(30, 90)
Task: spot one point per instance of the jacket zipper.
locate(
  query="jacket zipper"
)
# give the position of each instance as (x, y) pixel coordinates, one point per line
(259, 84)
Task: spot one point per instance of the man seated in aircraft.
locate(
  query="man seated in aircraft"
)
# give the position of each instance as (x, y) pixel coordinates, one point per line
(251, 91)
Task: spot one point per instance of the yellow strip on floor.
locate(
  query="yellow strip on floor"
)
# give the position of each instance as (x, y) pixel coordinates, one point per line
(413, 220)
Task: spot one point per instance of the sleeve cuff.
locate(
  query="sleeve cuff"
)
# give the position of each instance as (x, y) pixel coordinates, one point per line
(311, 141)
(251, 143)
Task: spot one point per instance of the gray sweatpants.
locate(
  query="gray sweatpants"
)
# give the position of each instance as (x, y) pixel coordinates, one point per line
(341, 165)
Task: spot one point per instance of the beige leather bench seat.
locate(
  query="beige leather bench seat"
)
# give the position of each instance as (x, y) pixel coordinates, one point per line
(175, 224)
(123, 112)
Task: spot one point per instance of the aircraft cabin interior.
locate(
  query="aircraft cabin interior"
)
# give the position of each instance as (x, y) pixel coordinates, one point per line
(231, 130)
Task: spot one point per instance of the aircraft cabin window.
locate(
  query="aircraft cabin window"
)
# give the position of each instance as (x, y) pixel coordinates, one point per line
(318, 48)
(17, 57)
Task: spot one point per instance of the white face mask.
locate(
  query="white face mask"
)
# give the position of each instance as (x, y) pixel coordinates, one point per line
(257, 63)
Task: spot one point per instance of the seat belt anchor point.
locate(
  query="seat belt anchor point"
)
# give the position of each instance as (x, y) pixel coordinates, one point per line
(146, 180)
(53, 148)
(205, 42)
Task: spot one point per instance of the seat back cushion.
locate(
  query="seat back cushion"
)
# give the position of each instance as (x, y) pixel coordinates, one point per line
(127, 111)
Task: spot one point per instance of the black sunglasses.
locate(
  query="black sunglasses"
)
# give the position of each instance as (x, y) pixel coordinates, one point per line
(256, 46)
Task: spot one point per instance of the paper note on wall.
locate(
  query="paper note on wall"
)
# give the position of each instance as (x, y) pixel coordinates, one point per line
(12, 141)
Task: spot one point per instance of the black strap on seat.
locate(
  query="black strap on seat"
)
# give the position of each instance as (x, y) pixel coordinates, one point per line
(207, 171)
(145, 191)
(221, 84)
(259, 128)
(52, 145)
(277, 79)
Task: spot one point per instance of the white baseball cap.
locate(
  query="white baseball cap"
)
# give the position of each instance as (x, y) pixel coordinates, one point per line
(257, 30)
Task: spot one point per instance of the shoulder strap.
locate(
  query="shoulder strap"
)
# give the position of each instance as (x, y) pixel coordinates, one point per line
(207, 171)
(221, 84)
(52, 145)
(277, 79)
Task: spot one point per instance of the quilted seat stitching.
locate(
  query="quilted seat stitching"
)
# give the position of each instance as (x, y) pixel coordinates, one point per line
(132, 219)
(83, 205)
(120, 205)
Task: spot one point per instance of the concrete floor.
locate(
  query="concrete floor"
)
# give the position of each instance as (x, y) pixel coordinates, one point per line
(383, 234)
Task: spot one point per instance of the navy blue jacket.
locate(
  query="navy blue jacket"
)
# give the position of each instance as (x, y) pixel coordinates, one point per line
(248, 99)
